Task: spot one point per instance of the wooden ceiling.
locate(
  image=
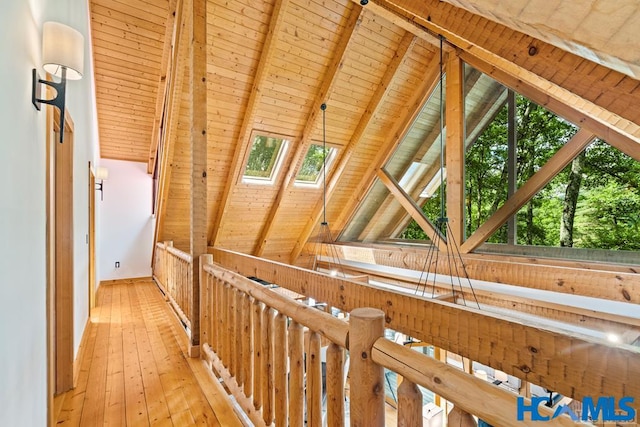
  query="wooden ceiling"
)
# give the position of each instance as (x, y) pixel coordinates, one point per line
(272, 64)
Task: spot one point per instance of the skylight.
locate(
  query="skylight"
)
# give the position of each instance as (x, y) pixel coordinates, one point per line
(264, 159)
(311, 169)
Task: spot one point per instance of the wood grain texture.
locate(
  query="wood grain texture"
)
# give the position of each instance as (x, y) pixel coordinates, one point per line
(134, 371)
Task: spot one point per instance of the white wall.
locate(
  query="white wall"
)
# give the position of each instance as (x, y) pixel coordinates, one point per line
(23, 358)
(126, 224)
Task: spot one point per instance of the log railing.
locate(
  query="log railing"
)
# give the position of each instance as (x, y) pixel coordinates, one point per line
(172, 271)
(259, 342)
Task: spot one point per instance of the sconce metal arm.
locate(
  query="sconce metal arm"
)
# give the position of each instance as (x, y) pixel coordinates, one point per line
(58, 101)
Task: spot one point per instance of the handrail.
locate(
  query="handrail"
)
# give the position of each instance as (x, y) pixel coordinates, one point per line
(244, 337)
(173, 272)
(521, 349)
(180, 254)
(332, 328)
(474, 395)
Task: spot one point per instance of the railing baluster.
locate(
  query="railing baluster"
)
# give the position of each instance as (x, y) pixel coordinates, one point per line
(335, 386)
(239, 338)
(267, 366)
(460, 418)
(231, 331)
(280, 369)
(296, 374)
(258, 372)
(247, 344)
(314, 381)
(409, 404)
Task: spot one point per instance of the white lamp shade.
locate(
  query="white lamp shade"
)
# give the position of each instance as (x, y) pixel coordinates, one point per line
(102, 173)
(62, 46)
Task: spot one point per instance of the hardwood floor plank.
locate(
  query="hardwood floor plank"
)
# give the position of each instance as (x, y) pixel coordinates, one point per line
(135, 403)
(135, 371)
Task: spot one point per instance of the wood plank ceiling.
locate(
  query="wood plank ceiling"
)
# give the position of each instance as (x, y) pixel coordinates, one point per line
(272, 64)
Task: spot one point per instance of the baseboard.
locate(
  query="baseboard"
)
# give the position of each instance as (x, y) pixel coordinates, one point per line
(127, 280)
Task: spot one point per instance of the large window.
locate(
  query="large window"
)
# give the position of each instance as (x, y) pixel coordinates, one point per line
(265, 157)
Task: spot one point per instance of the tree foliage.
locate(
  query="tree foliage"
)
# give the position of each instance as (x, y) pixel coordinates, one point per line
(601, 202)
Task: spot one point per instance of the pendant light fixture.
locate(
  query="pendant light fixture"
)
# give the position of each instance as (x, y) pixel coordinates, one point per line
(454, 263)
(326, 258)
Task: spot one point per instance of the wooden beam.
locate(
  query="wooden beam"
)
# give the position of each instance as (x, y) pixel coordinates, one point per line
(414, 210)
(568, 363)
(198, 181)
(452, 22)
(595, 280)
(171, 113)
(402, 53)
(455, 151)
(410, 112)
(563, 104)
(328, 83)
(268, 52)
(163, 84)
(546, 173)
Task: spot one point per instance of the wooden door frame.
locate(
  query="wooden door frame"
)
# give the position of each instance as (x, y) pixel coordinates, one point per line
(92, 239)
(59, 258)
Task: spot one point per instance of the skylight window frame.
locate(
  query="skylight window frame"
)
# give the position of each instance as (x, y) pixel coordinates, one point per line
(331, 156)
(277, 163)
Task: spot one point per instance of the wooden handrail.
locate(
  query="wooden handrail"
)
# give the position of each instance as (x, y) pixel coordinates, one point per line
(521, 349)
(474, 395)
(180, 254)
(332, 328)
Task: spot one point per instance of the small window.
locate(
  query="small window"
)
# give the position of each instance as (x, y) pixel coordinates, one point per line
(264, 158)
(311, 169)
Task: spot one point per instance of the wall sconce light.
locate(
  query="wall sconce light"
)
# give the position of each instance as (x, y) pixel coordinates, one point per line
(101, 174)
(62, 57)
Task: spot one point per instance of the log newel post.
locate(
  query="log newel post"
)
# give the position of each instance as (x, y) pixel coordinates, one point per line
(409, 404)
(366, 326)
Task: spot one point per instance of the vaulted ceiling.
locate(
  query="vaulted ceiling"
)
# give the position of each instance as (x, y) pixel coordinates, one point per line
(272, 64)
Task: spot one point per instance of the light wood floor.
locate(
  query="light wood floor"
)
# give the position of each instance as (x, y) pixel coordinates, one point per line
(133, 371)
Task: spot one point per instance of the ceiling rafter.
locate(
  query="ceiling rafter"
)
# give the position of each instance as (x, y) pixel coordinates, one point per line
(566, 105)
(171, 113)
(402, 53)
(162, 85)
(601, 120)
(546, 173)
(327, 86)
(268, 52)
(395, 135)
(413, 209)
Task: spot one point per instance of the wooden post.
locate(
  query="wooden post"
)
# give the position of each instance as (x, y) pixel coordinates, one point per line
(314, 381)
(335, 385)
(258, 372)
(231, 331)
(409, 404)
(459, 418)
(198, 179)
(455, 147)
(267, 366)
(366, 325)
(247, 344)
(296, 374)
(205, 300)
(280, 369)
